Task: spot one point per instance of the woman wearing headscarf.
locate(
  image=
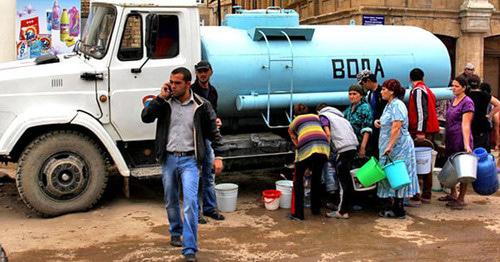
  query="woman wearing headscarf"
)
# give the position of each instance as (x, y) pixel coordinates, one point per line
(458, 136)
(360, 115)
(396, 143)
(312, 149)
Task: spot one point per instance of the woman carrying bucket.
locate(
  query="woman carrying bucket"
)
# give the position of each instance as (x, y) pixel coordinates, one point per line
(395, 143)
(458, 136)
(311, 152)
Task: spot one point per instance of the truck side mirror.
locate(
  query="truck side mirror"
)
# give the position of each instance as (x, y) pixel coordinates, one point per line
(152, 24)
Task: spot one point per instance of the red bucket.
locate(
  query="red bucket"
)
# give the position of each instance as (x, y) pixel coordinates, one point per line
(271, 198)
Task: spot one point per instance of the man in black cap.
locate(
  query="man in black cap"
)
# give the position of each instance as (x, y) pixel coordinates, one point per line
(203, 88)
(368, 81)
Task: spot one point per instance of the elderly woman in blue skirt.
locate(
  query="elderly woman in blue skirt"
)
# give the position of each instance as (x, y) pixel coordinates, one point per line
(395, 141)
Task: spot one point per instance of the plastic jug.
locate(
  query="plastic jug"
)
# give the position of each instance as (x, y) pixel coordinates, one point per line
(56, 10)
(487, 180)
(64, 25)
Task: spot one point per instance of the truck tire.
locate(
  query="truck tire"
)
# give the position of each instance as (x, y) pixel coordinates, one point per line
(3, 256)
(61, 172)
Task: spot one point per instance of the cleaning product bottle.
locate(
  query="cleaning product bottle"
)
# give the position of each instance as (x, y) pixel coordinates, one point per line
(74, 22)
(64, 25)
(55, 15)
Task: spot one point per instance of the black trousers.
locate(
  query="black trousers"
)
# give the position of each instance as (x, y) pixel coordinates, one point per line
(482, 140)
(314, 163)
(344, 164)
(373, 142)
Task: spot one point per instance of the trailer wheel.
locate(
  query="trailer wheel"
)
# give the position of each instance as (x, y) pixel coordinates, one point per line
(61, 172)
(3, 256)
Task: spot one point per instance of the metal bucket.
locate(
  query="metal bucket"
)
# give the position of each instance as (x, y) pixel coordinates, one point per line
(448, 175)
(466, 167)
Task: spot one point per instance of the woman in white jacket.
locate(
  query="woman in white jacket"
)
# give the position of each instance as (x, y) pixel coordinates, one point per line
(344, 141)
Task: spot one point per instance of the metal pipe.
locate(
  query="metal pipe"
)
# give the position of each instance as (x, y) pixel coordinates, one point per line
(259, 102)
(219, 15)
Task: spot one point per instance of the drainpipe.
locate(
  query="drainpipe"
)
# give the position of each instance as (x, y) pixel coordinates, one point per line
(219, 15)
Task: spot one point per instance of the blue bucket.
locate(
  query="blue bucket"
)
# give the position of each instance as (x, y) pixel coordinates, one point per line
(397, 174)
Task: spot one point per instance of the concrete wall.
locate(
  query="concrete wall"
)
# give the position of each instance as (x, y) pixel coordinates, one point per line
(7, 20)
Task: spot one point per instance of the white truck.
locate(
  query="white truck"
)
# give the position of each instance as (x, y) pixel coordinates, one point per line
(67, 122)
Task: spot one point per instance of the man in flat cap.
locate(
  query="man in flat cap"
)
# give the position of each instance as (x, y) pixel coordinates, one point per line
(203, 88)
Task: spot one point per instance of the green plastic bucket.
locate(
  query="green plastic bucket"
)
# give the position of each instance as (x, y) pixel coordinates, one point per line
(370, 173)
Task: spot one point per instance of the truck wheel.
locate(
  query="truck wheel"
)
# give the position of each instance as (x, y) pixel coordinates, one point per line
(3, 256)
(61, 172)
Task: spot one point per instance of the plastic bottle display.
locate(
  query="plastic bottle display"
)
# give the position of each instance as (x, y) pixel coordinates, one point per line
(64, 25)
(487, 180)
(55, 16)
(74, 22)
(49, 20)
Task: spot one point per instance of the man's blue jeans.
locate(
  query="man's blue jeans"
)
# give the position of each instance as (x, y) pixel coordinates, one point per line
(182, 169)
(208, 180)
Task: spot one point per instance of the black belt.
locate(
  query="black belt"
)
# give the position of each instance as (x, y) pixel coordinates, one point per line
(177, 153)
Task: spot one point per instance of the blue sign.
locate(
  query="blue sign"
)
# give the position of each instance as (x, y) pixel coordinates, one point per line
(373, 20)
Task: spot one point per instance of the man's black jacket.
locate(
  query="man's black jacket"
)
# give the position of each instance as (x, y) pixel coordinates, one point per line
(204, 126)
(212, 96)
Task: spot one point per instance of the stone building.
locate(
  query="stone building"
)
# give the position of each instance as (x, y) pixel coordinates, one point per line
(469, 28)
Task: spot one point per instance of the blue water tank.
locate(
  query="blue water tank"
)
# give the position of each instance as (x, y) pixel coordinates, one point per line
(254, 61)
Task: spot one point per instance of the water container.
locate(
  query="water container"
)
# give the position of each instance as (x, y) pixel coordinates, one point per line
(487, 180)
(436, 185)
(424, 160)
(271, 199)
(285, 186)
(227, 195)
(397, 174)
(370, 173)
(320, 62)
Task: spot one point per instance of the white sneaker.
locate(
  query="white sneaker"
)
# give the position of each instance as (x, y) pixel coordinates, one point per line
(336, 214)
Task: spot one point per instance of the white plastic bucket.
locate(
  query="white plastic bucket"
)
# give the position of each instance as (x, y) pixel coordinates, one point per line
(434, 157)
(285, 186)
(436, 185)
(424, 160)
(272, 203)
(226, 194)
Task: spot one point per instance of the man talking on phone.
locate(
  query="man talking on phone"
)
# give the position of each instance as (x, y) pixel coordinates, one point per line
(184, 121)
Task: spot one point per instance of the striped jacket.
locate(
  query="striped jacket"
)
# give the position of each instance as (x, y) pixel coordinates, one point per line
(310, 135)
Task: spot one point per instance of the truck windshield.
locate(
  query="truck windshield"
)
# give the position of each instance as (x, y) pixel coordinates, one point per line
(97, 34)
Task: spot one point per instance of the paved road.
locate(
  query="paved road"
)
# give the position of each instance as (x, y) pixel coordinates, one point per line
(135, 229)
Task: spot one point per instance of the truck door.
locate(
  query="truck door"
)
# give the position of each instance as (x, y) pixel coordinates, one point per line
(131, 88)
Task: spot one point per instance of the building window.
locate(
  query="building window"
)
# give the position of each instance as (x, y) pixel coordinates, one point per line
(131, 47)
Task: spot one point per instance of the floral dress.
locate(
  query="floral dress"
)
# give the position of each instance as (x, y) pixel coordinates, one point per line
(361, 119)
(402, 150)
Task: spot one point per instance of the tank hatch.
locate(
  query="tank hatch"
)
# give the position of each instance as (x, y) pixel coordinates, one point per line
(271, 17)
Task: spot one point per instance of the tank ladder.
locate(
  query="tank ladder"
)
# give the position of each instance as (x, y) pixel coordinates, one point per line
(289, 114)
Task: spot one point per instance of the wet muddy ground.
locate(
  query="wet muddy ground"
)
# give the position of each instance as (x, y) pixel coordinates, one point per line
(135, 229)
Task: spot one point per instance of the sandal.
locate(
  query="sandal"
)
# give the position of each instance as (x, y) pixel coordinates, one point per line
(446, 198)
(390, 214)
(456, 205)
(413, 203)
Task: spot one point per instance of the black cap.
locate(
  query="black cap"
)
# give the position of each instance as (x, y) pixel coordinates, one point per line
(202, 65)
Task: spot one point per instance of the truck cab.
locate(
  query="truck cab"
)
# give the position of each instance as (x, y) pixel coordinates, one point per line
(67, 120)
